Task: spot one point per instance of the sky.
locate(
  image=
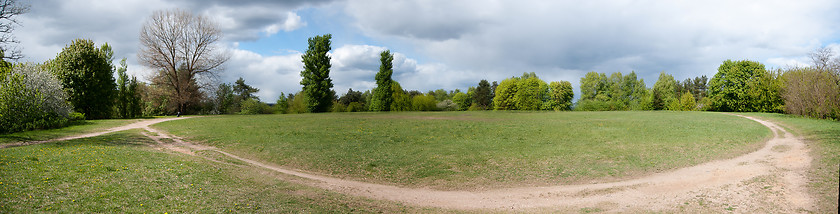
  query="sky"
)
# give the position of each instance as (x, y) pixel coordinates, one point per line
(455, 44)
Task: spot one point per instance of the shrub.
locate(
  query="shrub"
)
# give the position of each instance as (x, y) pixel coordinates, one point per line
(253, 106)
(31, 98)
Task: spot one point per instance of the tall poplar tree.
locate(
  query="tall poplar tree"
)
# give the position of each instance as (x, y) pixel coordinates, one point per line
(382, 95)
(316, 81)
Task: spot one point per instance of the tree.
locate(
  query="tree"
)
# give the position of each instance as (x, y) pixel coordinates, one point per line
(9, 10)
(225, 99)
(244, 91)
(184, 49)
(423, 103)
(530, 93)
(127, 103)
(88, 77)
(687, 102)
(382, 98)
(664, 92)
(316, 81)
(592, 85)
(462, 100)
(561, 95)
(504, 99)
(729, 88)
(482, 95)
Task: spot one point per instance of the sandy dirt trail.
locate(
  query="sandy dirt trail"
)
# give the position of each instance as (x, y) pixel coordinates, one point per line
(771, 179)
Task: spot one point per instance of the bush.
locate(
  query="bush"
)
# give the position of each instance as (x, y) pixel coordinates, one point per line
(253, 106)
(447, 105)
(812, 93)
(31, 98)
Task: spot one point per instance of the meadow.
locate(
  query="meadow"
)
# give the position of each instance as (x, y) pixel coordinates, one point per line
(120, 173)
(479, 150)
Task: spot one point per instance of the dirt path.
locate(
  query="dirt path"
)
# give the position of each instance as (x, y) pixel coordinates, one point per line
(771, 179)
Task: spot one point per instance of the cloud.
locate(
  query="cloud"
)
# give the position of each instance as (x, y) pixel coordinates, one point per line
(686, 39)
(271, 74)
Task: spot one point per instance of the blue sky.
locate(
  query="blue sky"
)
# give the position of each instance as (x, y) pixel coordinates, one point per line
(454, 44)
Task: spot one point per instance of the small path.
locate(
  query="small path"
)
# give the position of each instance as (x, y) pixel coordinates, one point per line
(771, 179)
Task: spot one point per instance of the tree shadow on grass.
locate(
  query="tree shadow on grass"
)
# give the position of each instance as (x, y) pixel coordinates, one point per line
(123, 138)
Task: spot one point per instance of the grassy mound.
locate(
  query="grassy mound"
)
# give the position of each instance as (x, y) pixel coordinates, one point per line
(469, 150)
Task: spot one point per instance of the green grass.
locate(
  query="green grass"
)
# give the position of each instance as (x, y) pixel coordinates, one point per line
(80, 127)
(823, 138)
(118, 173)
(469, 150)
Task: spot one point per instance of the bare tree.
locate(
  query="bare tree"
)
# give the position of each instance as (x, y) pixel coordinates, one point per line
(184, 49)
(9, 9)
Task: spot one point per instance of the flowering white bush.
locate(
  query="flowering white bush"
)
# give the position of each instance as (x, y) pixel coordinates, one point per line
(31, 98)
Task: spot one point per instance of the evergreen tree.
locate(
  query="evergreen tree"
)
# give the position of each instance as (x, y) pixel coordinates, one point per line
(482, 96)
(316, 81)
(382, 95)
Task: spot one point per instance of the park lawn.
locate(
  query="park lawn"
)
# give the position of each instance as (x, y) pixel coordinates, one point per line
(823, 139)
(77, 128)
(119, 173)
(477, 150)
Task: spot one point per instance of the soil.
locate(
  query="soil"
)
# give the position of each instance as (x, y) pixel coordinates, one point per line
(771, 179)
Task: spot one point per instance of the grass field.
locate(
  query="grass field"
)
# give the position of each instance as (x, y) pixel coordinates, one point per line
(80, 127)
(823, 138)
(474, 150)
(119, 173)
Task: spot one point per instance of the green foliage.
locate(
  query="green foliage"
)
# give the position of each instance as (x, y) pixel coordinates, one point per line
(254, 106)
(31, 98)
(87, 75)
(531, 93)
(383, 93)
(424, 103)
(128, 101)
(765, 92)
(462, 100)
(592, 85)
(297, 104)
(225, 100)
(561, 96)
(483, 96)
(730, 89)
(687, 102)
(616, 92)
(402, 102)
(664, 93)
(282, 104)
(316, 81)
(505, 92)
(812, 93)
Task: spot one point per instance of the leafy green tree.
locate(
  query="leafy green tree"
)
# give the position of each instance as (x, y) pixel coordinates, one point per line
(351, 96)
(687, 102)
(664, 92)
(225, 99)
(462, 100)
(592, 85)
(423, 103)
(482, 95)
(729, 88)
(402, 102)
(766, 92)
(88, 77)
(530, 93)
(561, 95)
(317, 85)
(382, 94)
(505, 92)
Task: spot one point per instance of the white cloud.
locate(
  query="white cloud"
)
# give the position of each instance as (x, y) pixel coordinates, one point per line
(271, 74)
(684, 38)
